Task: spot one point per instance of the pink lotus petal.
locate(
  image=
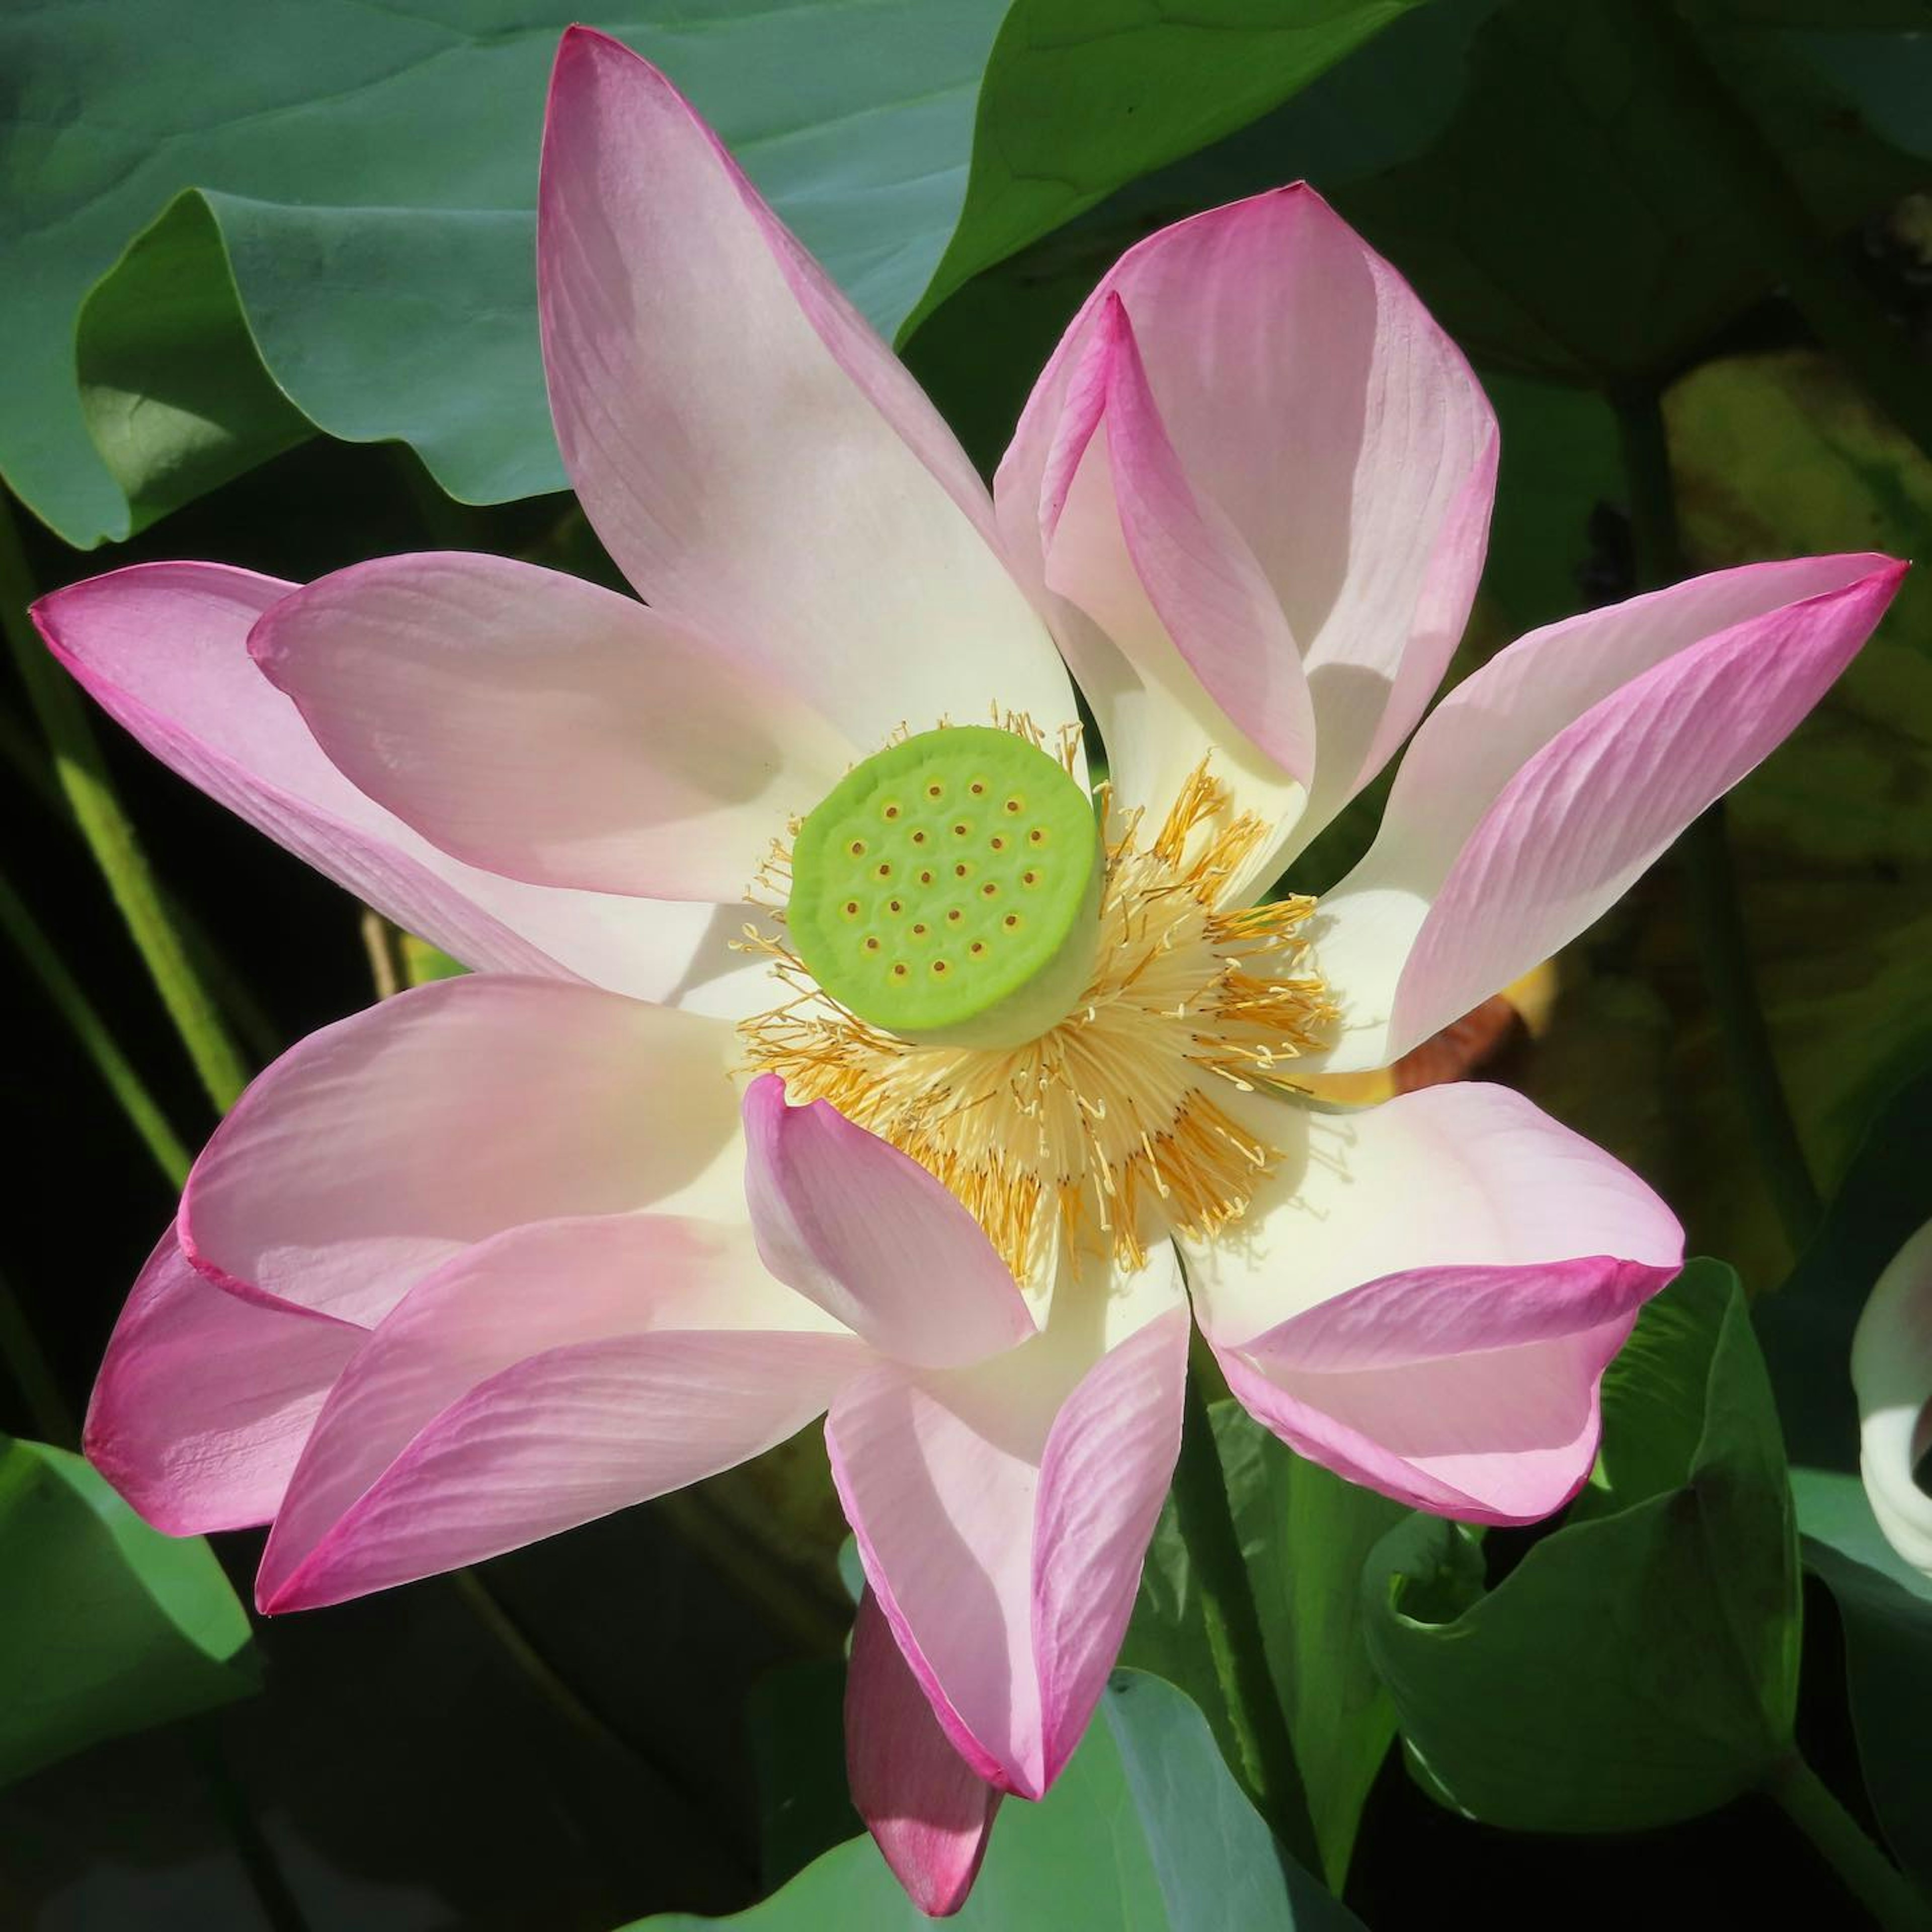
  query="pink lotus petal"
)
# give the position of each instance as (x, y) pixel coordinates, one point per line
(204, 1400)
(537, 726)
(750, 453)
(930, 1816)
(1448, 1353)
(1002, 1512)
(1163, 602)
(1544, 785)
(1109, 1458)
(162, 649)
(552, 1374)
(1310, 399)
(1193, 568)
(375, 1149)
(865, 1232)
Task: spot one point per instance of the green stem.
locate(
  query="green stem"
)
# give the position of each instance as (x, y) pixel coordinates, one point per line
(109, 834)
(1884, 1891)
(1843, 314)
(273, 1893)
(1266, 1766)
(1717, 917)
(21, 751)
(481, 1601)
(47, 1410)
(113, 1065)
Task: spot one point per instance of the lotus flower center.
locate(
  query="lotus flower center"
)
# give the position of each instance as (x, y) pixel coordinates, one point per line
(948, 889)
(1060, 1016)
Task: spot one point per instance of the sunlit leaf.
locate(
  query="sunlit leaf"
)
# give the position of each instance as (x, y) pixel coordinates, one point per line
(326, 212)
(1305, 1533)
(106, 1625)
(369, 176)
(1145, 1831)
(1083, 96)
(172, 387)
(1639, 1665)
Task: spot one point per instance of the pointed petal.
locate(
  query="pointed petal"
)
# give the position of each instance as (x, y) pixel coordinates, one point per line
(749, 451)
(1002, 1512)
(1547, 783)
(1308, 396)
(550, 1376)
(1178, 607)
(865, 1232)
(1891, 1373)
(163, 648)
(370, 1154)
(931, 1815)
(535, 725)
(1428, 1293)
(204, 1400)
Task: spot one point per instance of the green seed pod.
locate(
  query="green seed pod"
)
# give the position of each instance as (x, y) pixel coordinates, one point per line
(948, 889)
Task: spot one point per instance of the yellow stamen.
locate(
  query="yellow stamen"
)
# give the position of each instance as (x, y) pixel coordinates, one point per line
(1104, 1128)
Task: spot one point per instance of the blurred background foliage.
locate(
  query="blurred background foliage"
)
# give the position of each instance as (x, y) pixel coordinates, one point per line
(266, 276)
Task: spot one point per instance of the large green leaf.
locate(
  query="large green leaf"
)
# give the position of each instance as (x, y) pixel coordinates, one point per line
(172, 387)
(313, 214)
(106, 1625)
(1639, 1665)
(1145, 1831)
(369, 175)
(1616, 228)
(1083, 96)
(1305, 1533)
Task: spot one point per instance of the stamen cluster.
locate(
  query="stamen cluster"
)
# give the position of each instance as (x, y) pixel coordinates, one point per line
(1110, 1128)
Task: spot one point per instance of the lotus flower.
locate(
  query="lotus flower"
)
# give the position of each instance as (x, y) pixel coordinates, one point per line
(690, 1159)
(1891, 1375)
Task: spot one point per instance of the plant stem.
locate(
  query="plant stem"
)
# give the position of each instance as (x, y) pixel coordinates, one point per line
(481, 1601)
(1716, 918)
(273, 1893)
(1871, 1878)
(148, 1121)
(21, 753)
(382, 944)
(110, 835)
(1267, 1770)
